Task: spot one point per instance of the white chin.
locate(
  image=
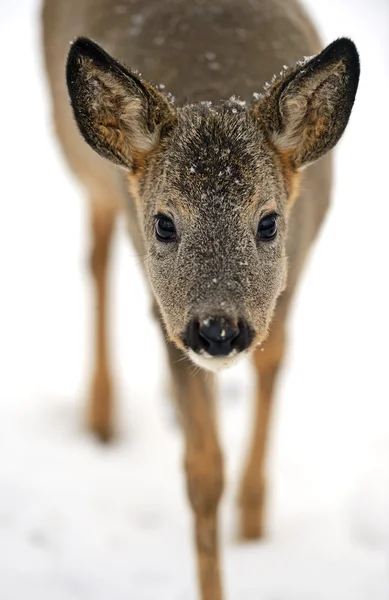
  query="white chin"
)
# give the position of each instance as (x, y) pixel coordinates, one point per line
(215, 363)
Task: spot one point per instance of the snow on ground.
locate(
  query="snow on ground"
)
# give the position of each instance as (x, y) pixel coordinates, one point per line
(82, 522)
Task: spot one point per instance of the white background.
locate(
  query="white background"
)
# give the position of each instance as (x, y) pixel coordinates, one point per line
(83, 522)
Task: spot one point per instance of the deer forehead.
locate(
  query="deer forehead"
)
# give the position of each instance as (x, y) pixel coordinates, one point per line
(220, 158)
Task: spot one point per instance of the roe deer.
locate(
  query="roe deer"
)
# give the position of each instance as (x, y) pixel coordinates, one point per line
(214, 189)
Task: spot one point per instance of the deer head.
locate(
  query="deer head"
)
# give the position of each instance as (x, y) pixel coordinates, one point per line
(214, 185)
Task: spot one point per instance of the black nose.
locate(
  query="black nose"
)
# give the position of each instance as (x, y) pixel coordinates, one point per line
(218, 336)
(218, 332)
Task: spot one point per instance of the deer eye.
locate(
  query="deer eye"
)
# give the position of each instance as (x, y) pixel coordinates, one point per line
(267, 229)
(165, 229)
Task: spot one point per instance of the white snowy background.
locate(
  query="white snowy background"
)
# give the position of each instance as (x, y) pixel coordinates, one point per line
(79, 521)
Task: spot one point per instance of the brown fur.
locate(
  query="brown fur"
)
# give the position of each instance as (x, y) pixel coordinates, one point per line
(267, 361)
(292, 177)
(194, 393)
(215, 168)
(101, 396)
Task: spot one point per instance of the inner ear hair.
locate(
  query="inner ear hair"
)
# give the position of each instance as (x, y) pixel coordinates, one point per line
(119, 115)
(306, 109)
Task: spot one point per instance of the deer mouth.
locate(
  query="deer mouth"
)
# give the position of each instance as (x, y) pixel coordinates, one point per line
(215, 363)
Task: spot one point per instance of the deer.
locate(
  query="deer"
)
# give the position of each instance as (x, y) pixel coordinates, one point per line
(224, 181)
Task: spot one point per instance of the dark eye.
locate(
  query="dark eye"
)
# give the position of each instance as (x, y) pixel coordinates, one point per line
(267, 228)
(165, 229)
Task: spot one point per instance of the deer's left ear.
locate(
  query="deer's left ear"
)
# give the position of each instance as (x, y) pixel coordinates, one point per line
(306, 110)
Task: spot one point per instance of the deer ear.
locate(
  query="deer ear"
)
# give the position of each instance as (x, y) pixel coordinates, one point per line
(306, 110)
(119, 115)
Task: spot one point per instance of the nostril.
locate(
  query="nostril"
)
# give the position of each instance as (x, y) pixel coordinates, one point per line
(245, 337)
(192, 338)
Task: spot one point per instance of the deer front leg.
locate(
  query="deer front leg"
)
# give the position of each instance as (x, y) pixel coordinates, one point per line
(100, 409)
(203, 466)
(267, 361)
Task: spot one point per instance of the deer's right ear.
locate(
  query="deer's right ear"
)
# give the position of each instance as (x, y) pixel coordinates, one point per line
(119, 115)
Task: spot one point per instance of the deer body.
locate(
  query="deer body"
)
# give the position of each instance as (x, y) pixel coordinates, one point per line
(215, 193)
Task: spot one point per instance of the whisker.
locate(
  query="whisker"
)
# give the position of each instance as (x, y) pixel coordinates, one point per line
(291, 254)
(141, 262)
(138, 255)
(195, 370)
(180, 359)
